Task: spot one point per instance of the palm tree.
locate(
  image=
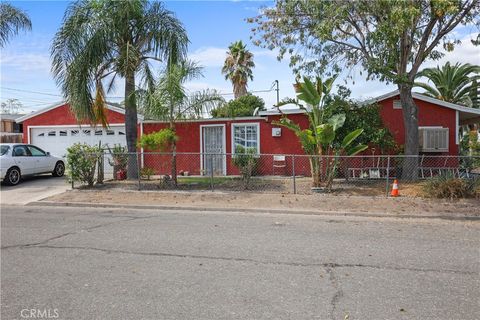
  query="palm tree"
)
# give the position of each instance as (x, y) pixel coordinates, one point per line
(455, 84)
(12, 20)
(106, 39)
(238, 67)
(167, 99)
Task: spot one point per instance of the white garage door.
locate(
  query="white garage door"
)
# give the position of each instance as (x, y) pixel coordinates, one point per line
(56, 140)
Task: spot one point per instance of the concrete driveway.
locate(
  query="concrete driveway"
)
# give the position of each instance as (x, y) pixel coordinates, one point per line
(33, 189)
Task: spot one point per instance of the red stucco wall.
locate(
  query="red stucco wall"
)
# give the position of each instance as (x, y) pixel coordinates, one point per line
(428, 115)
(189, 141)
(63, 116)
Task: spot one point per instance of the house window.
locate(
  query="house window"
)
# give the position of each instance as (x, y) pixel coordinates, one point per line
(63, 133)
(121, 133)
(86, 132)
(433, 139)
(98, 132)
(41, 134)
(74, 133)
(110, 132)
(246, 135)
(52, 133)
(397, 104)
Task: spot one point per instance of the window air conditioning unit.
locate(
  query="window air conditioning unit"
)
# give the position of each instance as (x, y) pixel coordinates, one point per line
(276, 132)
(433, 139)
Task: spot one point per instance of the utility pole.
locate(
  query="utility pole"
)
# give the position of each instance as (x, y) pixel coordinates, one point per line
(278, 92)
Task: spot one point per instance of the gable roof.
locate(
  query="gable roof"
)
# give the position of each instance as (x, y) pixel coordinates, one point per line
(425, 98)
(60, 104)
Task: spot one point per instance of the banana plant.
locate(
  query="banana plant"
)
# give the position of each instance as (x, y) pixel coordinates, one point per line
(318, 139)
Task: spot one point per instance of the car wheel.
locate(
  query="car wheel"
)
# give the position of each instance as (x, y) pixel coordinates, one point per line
(59, 170)
(13, 176)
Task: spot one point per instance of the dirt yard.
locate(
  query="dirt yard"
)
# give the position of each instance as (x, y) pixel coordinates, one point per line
(289, 202)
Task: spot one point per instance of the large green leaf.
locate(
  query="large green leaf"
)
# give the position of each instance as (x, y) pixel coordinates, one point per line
(351, 137)
(325, 133)
(356, 150)
(337, 121)
(308, 93)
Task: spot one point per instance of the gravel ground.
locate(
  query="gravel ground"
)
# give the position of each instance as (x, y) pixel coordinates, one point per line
(288, 202)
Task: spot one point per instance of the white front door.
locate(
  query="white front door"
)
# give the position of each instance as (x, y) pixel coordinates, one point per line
(213, 146)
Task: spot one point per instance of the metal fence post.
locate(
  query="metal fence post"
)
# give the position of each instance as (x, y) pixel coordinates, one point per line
(293, 174)
(388, 176)
(138, 172)
(211, 172)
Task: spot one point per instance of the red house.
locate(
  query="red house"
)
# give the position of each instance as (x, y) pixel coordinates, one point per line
(55, 128)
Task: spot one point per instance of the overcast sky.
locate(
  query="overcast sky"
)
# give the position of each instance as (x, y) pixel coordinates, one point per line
(211, 27)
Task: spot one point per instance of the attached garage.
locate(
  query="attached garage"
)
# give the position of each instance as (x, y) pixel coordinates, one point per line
(55, 128)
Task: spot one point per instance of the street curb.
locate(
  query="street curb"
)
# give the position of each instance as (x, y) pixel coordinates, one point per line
(249, 210)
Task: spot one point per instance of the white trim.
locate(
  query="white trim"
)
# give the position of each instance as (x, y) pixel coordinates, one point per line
(245, 124)
(457, 129)
(224, 142)
(60, 104)
(425, 98)
(141, 148)
(66, 126)
(208, 120)
(275, 112)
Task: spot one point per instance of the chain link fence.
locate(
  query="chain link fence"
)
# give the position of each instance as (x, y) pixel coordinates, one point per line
(273, 173)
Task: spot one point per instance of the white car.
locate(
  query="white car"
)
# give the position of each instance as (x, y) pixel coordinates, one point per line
(17, 160)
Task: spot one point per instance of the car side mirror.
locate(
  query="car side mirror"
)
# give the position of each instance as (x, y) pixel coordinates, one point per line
(48, 153)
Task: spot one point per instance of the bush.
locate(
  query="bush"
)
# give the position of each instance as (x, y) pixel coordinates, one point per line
(245, 159)
(147, 172)
(448, 186)
(243, 106)
(81, 162)
(158, 141)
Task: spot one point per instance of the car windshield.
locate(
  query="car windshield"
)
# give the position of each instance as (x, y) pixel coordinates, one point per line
(4, 150)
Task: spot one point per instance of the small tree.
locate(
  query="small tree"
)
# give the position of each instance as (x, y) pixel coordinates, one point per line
(81, 162)
(244, 106)
(318, 139)
(246, 160)
(119, 159)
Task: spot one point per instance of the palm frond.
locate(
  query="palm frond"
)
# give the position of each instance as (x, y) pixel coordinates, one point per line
(12, 20)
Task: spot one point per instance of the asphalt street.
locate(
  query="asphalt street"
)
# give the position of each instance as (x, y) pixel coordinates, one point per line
(95, 263)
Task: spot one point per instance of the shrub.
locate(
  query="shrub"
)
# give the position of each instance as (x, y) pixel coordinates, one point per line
(448, 186)
(81, 162)
(158, 141)
(245, 159)
(147, 172)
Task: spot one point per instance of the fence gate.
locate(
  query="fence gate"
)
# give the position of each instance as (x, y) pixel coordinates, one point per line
(213, 146)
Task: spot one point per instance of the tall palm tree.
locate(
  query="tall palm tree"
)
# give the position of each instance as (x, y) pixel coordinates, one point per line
(110, 38)
(238, 67)
(12, 20)
(456, 84)
(167, 99)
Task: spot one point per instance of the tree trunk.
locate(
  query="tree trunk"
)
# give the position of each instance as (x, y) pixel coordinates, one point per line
(410, 120)
(131, 123)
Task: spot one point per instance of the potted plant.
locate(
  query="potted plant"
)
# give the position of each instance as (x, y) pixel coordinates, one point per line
(119, 160)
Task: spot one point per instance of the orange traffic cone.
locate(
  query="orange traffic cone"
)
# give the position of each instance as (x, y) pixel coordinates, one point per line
(395, 192)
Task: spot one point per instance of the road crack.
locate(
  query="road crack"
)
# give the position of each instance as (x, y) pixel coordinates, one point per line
(338, 291)
(327, 265)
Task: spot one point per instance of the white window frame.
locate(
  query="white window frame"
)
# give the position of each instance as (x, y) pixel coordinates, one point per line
(243, 124)
(423, 133)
